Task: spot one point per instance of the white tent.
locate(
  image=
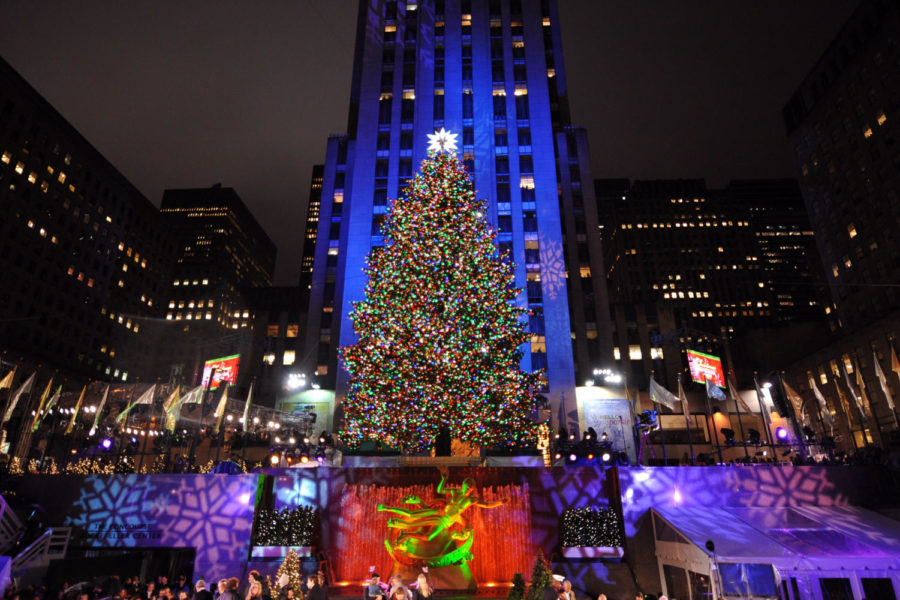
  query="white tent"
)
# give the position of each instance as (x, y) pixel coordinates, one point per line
(804, 552)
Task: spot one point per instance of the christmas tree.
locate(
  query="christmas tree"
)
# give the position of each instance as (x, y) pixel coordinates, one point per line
(517, 590)
(541, 577)
(438, 332)
(290, 566)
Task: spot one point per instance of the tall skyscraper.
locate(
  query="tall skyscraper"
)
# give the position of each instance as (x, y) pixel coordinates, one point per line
(492, 72)
(222, 251)
(84, 258)
(843, 126)
(843, 131)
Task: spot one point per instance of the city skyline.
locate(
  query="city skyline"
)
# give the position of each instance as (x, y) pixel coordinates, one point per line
(185, 99)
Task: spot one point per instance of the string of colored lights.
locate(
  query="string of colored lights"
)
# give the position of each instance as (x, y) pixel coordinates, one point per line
(439, 334)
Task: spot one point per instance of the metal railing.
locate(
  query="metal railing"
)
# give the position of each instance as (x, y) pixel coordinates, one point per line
(10, 527)
(50, 545)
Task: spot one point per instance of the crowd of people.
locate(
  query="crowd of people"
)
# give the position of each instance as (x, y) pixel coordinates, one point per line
(560, 588)
(160, 588)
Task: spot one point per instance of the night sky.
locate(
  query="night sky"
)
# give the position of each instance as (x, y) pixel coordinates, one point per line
(188, 94)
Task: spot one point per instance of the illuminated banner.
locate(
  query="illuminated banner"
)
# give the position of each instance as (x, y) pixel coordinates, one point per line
(705, 366)
(226, 369)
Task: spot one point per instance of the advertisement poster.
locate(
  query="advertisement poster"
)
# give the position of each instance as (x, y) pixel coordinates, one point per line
(222, 369)
(705, 366)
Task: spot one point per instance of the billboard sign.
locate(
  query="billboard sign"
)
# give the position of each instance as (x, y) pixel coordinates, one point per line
(705, 366)
(222, 369)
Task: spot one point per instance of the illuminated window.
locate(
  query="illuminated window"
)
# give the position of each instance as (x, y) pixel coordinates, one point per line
(634, 352)
(868, 132)
(289, 357)
(834, 270)
(271, 330)
(32, 177)
(6, 157)
(881, 119)
(62, 177)
(585, 272)
(851, 229)
(269, 359)
(656, 353)
(20, 167)
(293, 330)
(617, 355)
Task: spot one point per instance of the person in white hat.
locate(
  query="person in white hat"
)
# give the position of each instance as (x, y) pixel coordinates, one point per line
(552, 592)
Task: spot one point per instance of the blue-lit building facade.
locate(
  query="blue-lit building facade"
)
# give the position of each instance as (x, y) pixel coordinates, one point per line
(492, 72)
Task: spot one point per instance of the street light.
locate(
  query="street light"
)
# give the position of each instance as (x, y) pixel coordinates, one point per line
(296, 381)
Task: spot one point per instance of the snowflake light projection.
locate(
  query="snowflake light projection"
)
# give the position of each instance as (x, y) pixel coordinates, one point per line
(210, 513)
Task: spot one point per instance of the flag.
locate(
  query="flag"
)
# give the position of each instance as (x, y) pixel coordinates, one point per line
(842, 397)
(195, 396)
(250, 395)
(54, 400)
(883, 380)
(36, 422)
(861, 384)
(661, 395)
(7, 380)
(100, 410)
(78, 404)
(145, 398)
(793, 397)
(220, 409)
(684, 405)
(823, 405)
(762, 396)
(895, 362)
(169, 408)
(735, 396)
(23, 389)
(853, 391)
(713, 391)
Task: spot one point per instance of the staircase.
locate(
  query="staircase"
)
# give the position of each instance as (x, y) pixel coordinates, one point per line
(35, 558)
(51, 545)
(10, 527)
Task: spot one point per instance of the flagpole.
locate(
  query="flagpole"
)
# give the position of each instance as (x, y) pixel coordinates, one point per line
(842, 401)
(893, 352)
(861, 383)
(737, 406)
(25, 426)
(662, 436)
(712, 420)
(821, 418)
(723, 336)
(687, 421)
(6, 405)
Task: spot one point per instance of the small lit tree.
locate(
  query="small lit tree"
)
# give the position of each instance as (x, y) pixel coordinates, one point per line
(290, 566)
(541, 578)
(517, 591)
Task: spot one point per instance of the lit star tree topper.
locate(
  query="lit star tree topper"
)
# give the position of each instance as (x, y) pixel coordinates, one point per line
(438, 331)
(442, 141)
